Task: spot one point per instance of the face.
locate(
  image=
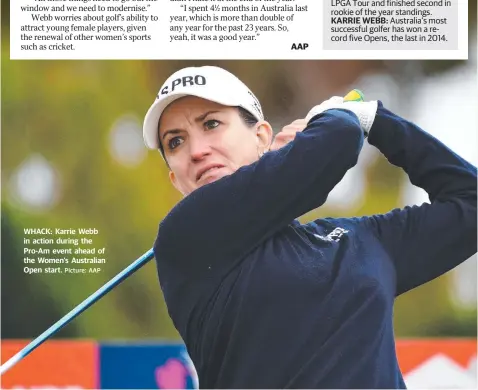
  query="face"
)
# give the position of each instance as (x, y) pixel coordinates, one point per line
(204, 141)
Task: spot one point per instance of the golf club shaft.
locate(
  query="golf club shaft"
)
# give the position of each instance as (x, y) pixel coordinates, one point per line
(136, 265)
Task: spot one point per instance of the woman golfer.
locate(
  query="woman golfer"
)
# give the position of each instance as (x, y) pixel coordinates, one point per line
(263, 301)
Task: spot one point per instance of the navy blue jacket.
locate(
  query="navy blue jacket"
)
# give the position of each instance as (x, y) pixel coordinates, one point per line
(262, 301)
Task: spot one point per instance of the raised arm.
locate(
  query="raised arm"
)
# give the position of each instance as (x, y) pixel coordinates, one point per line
(428, 240)
(219, 223)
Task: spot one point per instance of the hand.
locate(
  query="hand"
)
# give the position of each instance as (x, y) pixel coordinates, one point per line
(365, 111)
(288, 133)
(333, 102)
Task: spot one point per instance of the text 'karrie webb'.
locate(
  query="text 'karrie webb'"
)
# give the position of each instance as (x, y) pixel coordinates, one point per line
(59, 231)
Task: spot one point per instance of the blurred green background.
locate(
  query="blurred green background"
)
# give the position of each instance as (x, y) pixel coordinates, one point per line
(72, 156)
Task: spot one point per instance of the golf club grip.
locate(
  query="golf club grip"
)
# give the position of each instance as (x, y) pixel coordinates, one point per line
(355, 95)
(136, 265)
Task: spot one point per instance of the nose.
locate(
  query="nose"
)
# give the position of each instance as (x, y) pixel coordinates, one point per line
(199, 148)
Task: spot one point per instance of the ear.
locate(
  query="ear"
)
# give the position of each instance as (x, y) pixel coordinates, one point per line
(265, 136)
(175, 183)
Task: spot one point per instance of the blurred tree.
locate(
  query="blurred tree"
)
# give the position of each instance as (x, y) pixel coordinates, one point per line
(65, 111)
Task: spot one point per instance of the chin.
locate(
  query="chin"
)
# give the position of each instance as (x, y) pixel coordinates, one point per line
(212, 178)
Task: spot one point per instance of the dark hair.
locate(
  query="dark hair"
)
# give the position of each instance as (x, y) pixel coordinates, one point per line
(248, 119)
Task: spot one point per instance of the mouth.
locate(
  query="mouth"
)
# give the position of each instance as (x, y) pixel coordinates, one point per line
(207, 170)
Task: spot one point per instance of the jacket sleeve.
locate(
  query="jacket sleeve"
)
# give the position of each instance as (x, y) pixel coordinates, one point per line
(428, 240)
(219, 223)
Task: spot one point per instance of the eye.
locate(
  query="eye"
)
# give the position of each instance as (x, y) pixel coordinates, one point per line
(174, 142)
(211, 124)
